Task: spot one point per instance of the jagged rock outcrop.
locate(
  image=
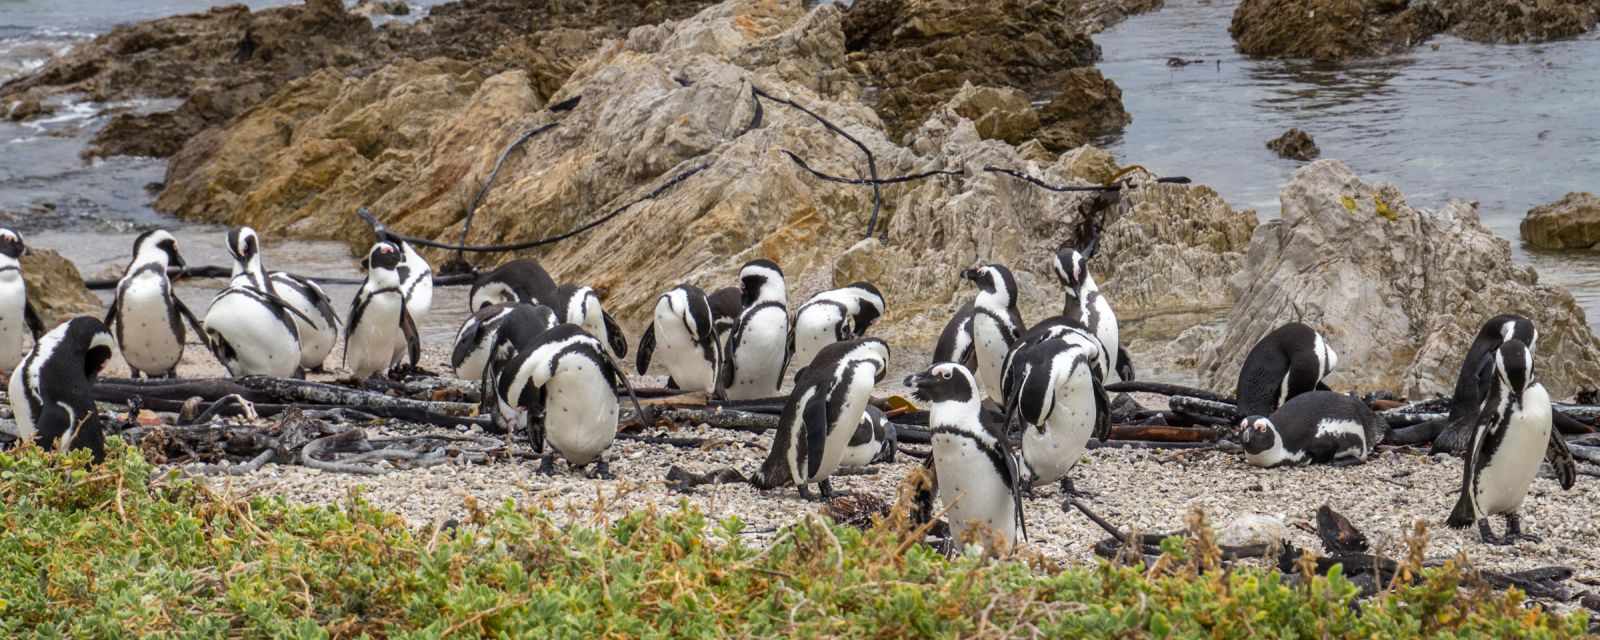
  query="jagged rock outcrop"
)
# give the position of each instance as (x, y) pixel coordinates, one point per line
(410, 139)
(998, 113)
(1295, 144)
(1573, 222)
(1519, 21)
(1085, 104)
(56, 288)
(1398, 291)
(1332, 29)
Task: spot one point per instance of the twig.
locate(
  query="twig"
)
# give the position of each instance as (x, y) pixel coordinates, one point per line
(1116, 186)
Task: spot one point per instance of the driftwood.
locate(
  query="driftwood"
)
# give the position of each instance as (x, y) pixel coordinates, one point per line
(1161, 388)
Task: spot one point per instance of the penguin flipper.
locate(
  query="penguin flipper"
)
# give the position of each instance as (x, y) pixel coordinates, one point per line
(1466, 509)
(815, 418)
(466, 342)
(1102, 410)
(30, 315)
(614, 336)
(617, 374)
(647, 346)
(1560, 458)
(1014, 480)
(1124, 364)
(188, 317)
(408, 326)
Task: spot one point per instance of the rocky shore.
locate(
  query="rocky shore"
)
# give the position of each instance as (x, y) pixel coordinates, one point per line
(1332, 30)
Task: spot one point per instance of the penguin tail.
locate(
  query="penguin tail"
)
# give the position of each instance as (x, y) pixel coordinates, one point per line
(1462, 516)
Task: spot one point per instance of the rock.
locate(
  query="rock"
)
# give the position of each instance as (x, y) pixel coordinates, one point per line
(1251, 529)
(55, 287)
(1295, 144)
(1518, 21)
(1087, 104)
(1397, 291)
(27, 108)
(375, 8)
(1573, 222)
(1332, 29)
(998, 114)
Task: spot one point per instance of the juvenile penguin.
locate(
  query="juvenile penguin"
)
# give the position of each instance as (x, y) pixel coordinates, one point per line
(1512, 437)
(1316, 426)
(976, 476)
(251, 329)
(833, 316)
(18, 320)
(581, 306)
(565, 385)
(874, 441)
(522, 280)
(758, 349)
(379, 317)
(1291, 360)
(955, 342)
(1057, 393)
(51, 393)
(1090, 308)
(821, 415)
(1471, 387)
(726, 305)
(688, 340)
(996, 324)
(316, 321)
(146, 315)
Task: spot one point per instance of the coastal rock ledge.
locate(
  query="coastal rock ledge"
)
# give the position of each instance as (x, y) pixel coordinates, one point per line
(1573, 222)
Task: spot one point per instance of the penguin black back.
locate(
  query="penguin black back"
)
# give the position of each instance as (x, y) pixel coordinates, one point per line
(523, 280)
(55, 386)
(1477, 373)
(1289, 361)
(955, 342)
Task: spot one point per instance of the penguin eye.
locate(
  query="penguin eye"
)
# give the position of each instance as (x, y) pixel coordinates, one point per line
(945, 374)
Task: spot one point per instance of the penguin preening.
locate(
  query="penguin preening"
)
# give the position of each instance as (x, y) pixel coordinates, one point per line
(1476, 376)
(1089, 307)
(955, 342)
(874, 441)
(565, 389)
(52, 392)
(146, 315)
(1056, 390)
(476, 339)
(757, 352)
(683, 328)
(19, 322)
(380, 320)
(996, 324)
(523, 280)
(833, 316)
(1316, 426)
(251, 329)
(1291, 360)
(975, 475)
(514, 333)
(580, 305)
(1512, 436)
(317, 325)
(822, 414)
(726, 305)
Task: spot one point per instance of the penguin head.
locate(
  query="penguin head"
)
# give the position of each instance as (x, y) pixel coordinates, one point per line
(1514, 363)
(88, 338)
(384, 256)
(871, 305)
(1257, 434)
(11, 244)
(993, 280)
(761, 280)
(157, 246)
(726, 304)
(943, 382)
(245, 247)
(874, 351)
(1071, 268)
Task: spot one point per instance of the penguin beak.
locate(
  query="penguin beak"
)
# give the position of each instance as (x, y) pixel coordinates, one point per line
(917, 380)
(176, 260)
(969, 274)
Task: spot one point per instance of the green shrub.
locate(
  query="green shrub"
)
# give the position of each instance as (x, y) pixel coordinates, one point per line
(113, 551)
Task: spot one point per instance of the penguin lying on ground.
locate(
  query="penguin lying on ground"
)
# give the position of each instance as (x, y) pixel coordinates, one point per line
(833, 316)
(18, 319)
(874, 441)
(1477, 375)
(1317, 426)
(757, 352)
(689, 348)
(51, 392)
(975, 475)
(1512, 436)
(822, 414)
(521, 280)
(1090, 308)
(581, 306)
(146, 315)
(996, 324)
(1291, 360)
(1056, 390)
(379, 318)
(565, 390)
(251, 329)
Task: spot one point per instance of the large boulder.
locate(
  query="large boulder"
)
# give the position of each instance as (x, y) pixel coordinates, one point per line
(1086, 104)
(1332, 29)
(56, 288)
(998, 113)
(1398, 291)
(1573, 222)
(1295, 144)
(1517, 21)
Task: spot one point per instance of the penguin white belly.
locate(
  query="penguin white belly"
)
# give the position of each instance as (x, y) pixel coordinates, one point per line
(813, 330)
(14, 334)
(758, 361)
(17, 393)
(148, 343)
(1504, 480)
(262, 344)
(991, 351)
(373, 340)
(1052, 454)
(839, 433)
(419, 288)
(580, 416)
(858, 456)
(1330, 428)
(971, 489)
(316, 340)
(680, 355)
(1107, 332)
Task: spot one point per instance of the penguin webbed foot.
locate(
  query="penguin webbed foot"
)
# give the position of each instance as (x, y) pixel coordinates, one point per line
(1514, 530)
(1487, 535)
(601, 471)
(828, 492)
(1068, 490)
(547, 464)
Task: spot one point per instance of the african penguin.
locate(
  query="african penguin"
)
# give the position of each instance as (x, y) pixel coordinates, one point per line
(1057, 328)
(248, 327)
(565, 385)
(996, 324)
(1316, 426)
(757, 352)
(416, 283)
(317, 322)
(726, 305)
(19, 322)
(514, 333)
(874, 441)
(1056, 391)
(833, 316)
(523, 280)
(955, 342)
(51, 393)
(379, 317)
(476, 338)
(976, 476)
(146, 315)
(1512, 436)
(1470, 388)
(1291, 360)
(689, 348)
(1090, 307)
(821, 415)
(581, 306)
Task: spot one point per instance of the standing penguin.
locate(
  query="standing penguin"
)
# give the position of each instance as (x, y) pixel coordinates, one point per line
(1090, 308)
(1056, 390)
(1291, 360)
(955, 342)
(996, 324)
(975, 475)
(249, 328)
(379, 317)
(565, 386)
(726, 305)
(581, 306)
(18, 319)
(1512, 437)
(833, 316)
(1317, 426)
(316, 321)
(146, 315)
(517, 332)
(689, 348)
(51, 393)
(416, 275)
(822, 414)
(521, 280)
(758, 349)
(475, 340)
(1475, 378)
(874, 441)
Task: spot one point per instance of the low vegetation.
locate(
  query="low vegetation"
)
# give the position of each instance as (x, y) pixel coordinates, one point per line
(120, 550)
